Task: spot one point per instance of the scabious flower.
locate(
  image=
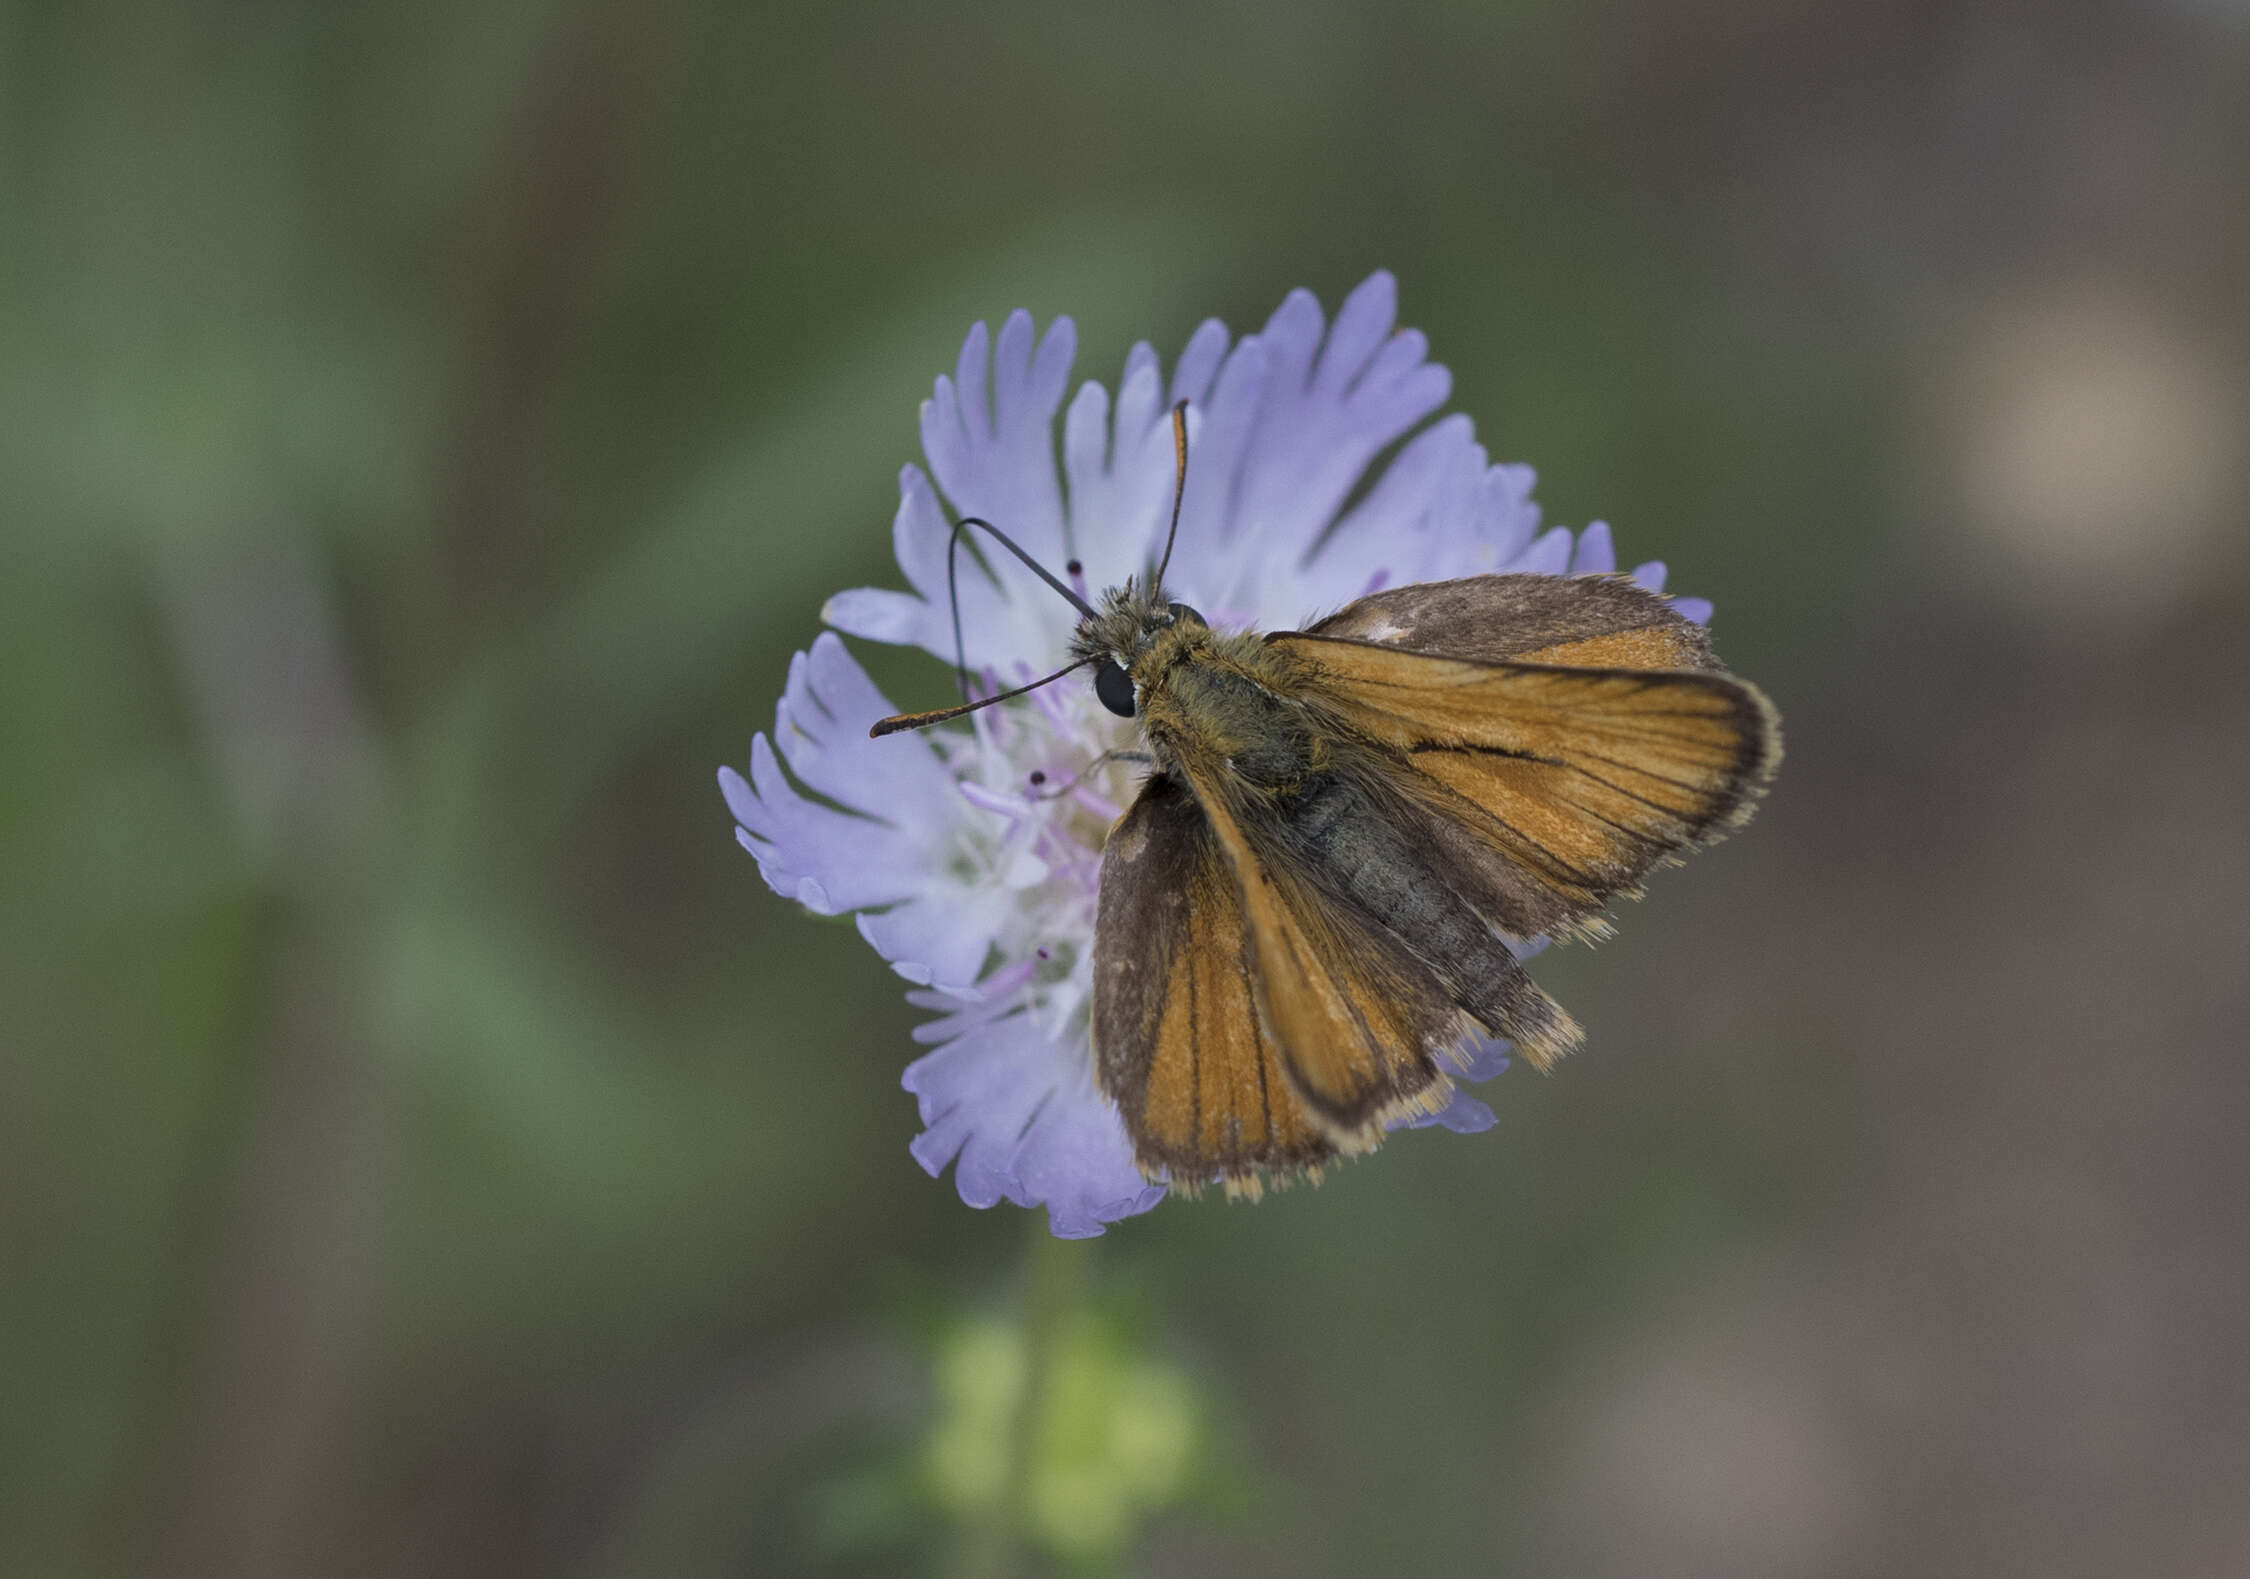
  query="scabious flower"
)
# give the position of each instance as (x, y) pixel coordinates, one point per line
(970, 857)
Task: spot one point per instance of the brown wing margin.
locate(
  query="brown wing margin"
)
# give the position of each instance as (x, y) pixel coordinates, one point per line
(1178, 1043)
(1594, 622)
(1584, 778)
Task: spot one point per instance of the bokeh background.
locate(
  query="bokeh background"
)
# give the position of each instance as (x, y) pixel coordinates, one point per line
(426, 1148)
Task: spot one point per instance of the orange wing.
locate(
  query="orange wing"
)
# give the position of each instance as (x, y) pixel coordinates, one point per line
(1582, 778)
(1178, 1042)
(1360, 1021)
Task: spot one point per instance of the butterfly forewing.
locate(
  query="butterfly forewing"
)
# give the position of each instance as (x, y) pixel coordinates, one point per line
(1178, 1042)
(1583, 778)
(1360, 1020)
(1599, 622)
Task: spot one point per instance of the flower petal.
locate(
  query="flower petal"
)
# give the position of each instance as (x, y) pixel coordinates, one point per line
(1596, 555)
(1362, 323)
(1199, 362)
(878, 614)
(1507, 515)
(1392, 534)
(941, 938)
(1020, 1119)
(996, 459)
(1202, 562)
(1319, 431)
(1464, 1115)
(1548, 555)
(876, 825)
(1121, 479)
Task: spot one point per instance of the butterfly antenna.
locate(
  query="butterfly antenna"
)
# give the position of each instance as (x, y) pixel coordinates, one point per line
(892, 725)
(1179, 490)
(953, 596)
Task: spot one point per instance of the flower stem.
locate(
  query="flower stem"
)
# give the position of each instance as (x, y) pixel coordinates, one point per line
(1052, 1286)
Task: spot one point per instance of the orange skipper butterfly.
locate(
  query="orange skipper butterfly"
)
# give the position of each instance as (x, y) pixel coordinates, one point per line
(1306, 916)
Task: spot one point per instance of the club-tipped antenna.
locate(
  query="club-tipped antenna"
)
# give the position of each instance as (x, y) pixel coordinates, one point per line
(897, 722)
(953, 596)
(1179, 490)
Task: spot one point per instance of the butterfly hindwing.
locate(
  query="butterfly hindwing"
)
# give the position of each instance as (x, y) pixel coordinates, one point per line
(1409, 899)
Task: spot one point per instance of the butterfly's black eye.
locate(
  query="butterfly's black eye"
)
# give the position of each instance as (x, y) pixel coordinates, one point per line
(1180, 611)
(1115, 687)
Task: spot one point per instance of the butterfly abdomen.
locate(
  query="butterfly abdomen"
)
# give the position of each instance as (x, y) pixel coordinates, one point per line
(1367, 857)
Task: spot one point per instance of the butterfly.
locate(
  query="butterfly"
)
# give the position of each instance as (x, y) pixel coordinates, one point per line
(1349, 833)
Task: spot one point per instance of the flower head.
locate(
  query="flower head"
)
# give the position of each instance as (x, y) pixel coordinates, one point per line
(971, 858)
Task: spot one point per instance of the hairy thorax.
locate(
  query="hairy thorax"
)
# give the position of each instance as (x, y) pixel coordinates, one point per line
(1226, 702)
(1225, 705)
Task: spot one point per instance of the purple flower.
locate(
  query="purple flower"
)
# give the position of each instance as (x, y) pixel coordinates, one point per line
(970, 857)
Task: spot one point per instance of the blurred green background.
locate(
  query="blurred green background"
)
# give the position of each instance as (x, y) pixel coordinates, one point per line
(427, 1148)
